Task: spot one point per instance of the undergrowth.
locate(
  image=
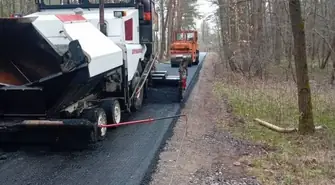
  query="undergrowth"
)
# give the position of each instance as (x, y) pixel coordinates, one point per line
(296, 159)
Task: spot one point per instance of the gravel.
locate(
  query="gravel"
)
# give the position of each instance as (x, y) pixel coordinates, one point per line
(206, 154)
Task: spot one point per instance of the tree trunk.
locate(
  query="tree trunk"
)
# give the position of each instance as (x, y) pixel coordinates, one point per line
(162, 28)
(179, 15)
(170, 27)
(313, 33)
(228, 54)
(257, 40)
(277, 46)
(306, 123)
(2, 8)
(13, 7)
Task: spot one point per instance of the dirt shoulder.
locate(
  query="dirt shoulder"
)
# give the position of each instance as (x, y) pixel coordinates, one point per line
(200, 151)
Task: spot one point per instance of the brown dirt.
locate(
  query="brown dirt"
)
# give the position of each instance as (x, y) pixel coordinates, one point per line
(200, 151)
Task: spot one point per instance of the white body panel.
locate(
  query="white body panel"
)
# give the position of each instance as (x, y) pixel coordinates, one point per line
(103, 53)
(51, 27)
(134, 53)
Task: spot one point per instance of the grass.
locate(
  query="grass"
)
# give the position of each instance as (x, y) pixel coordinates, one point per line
(297, 159)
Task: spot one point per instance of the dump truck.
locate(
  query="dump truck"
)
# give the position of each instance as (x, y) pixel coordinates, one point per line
(78, 65)
(184, 46)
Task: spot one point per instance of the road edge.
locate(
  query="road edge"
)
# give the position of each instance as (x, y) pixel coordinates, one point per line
(169, 132)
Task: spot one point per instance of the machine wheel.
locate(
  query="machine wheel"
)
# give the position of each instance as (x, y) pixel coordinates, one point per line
(145, 89)
(113, 111)
(98, 117)
(197, 58)
(138, 98)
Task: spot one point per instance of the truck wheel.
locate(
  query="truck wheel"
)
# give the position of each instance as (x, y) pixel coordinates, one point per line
(138, 98)
(197, 58)
(145, 90)
(113, 111)
(116, 112)
(98, 117)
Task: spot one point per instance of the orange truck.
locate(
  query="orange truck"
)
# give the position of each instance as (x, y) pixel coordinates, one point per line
(184, 46)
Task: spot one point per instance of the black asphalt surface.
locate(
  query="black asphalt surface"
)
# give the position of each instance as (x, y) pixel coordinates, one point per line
(126, 157)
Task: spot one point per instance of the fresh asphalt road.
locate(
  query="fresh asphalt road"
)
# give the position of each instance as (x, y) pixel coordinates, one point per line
(122, 159)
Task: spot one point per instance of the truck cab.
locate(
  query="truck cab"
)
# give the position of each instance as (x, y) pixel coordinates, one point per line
(184, 46)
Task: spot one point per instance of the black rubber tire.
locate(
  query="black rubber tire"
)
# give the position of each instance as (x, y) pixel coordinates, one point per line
(136, 103)
(110, 107)
(197, 58)
(146, 89)
(140, 67)
(93, 115)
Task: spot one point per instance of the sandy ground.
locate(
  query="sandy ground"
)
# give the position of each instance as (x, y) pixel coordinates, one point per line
(199, 152)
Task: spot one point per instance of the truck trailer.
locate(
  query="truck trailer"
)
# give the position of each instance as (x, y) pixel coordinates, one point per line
(78, 65)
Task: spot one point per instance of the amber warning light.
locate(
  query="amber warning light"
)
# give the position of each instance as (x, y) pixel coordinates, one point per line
(119, 14)
(147, 16)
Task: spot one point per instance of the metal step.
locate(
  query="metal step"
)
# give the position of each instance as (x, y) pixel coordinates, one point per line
(172, 77)
(159, 72)
(144, 76)
(159, 75)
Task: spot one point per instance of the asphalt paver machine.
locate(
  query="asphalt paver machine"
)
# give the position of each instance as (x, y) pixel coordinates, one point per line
(77, 66)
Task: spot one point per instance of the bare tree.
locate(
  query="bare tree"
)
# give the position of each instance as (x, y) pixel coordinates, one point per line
(162, 29)
(306, 124)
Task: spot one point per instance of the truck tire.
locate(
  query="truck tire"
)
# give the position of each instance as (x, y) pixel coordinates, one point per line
(137, 101)
(113, 111)
(145, 90)
(98, 117)
(197, 58)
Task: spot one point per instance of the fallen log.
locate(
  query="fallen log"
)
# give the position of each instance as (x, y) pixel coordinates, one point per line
(279, 129)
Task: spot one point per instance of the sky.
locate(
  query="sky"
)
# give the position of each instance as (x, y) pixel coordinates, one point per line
(205, 8)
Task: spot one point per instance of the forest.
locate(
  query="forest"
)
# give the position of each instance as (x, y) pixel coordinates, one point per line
(277, 71)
